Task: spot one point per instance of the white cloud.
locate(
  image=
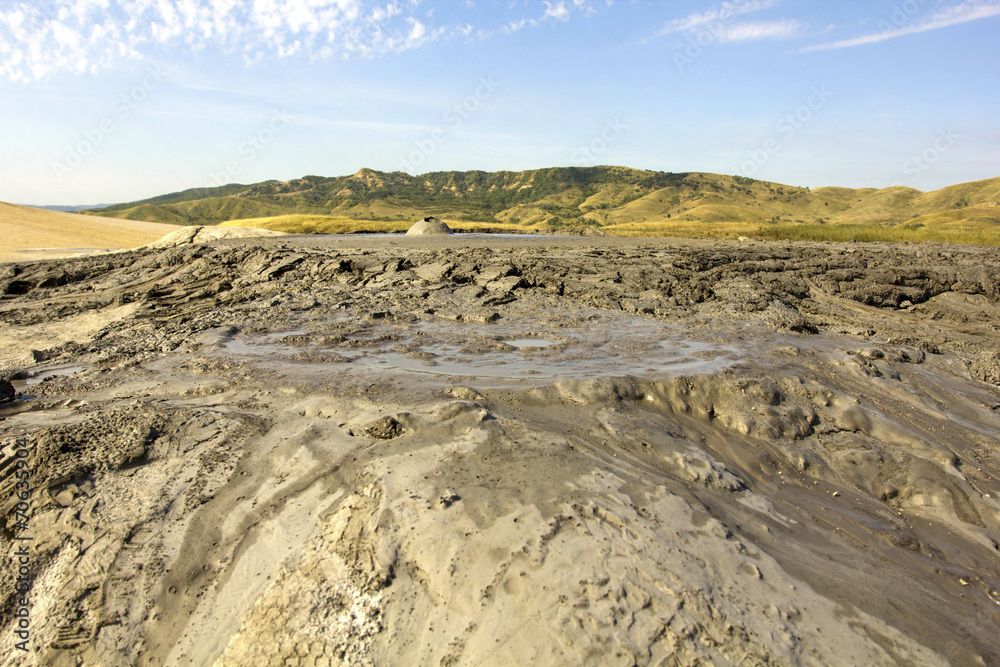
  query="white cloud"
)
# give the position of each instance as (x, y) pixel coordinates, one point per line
(562, 10)
(558, 11)
(39, 38)
(899, 23)
(721, 13)
(740, 32)
(417, 30)
(720, 22)
(515, 26)
(42, 38)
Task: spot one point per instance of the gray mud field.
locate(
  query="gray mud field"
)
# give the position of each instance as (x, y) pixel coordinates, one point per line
(478, 451)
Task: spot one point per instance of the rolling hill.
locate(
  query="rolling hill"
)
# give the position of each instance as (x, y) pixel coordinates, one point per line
(615, 200)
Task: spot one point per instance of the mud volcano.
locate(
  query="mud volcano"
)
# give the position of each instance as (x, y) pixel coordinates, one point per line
(429, 227)
(386, 450)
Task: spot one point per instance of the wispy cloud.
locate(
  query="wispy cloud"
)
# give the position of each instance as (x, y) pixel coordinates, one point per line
(721, 13)
(559, 11)
(720, 21)
(515, 26)
(897, 26)
(740, 32)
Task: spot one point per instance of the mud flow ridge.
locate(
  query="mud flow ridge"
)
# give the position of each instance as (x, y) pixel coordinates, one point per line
(463, 451)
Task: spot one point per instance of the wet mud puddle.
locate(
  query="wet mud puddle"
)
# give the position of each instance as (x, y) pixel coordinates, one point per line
(40, 375)
(504, 353)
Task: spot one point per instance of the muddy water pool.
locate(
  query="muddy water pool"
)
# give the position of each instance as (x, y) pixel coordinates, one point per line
(47, 372)
(501, 353)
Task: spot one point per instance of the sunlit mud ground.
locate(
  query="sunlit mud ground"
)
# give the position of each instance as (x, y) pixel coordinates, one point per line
(310, 450)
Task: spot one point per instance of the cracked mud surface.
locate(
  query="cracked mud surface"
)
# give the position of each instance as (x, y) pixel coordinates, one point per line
(465, 451)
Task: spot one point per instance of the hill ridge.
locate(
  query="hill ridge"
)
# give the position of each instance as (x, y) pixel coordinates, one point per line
(614, 198)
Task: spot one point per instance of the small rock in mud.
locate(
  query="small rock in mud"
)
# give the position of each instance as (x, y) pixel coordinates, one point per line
(386, 428)
(448, 498)
(465, 393)
(65, 497)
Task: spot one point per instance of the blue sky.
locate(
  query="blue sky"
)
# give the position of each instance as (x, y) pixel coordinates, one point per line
(118, 100)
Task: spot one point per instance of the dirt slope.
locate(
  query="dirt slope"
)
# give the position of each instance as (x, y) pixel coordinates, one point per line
(34, 233)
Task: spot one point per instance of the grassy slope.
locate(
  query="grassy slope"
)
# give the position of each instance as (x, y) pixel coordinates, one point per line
(617, 199)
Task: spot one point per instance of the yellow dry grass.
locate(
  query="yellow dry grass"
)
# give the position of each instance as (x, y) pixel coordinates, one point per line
(329, 224)
(33, 233)
(960, 230)
(319, 224)
(952, 228)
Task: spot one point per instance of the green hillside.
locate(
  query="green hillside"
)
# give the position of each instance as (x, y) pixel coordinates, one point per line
(617, 200)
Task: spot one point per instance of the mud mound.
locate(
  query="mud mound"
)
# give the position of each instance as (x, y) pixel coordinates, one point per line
(429, 227)
(203, 234)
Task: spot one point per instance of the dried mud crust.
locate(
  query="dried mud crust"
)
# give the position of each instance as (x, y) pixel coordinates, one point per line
(829, 498)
